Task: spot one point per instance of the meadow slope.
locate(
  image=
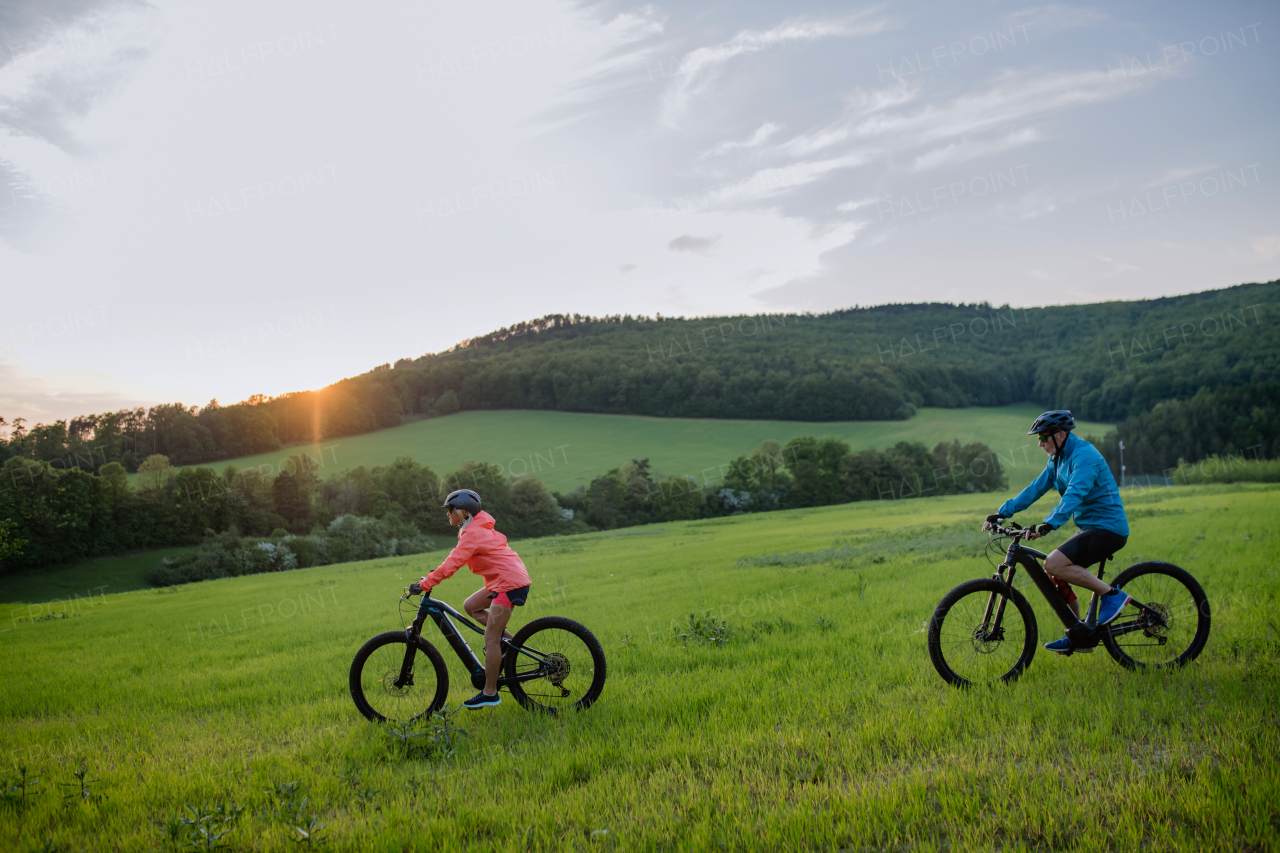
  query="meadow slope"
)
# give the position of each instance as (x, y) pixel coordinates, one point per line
(819, 725)
(566, 450)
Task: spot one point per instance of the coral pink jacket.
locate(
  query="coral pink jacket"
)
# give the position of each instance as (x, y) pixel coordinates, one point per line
(485, 551)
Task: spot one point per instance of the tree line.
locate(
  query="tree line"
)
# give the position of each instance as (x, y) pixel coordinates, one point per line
(1242, 421)
(1110, 362)
(254, 522)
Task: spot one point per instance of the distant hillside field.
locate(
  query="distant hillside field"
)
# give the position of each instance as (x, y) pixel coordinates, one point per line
(566, 450)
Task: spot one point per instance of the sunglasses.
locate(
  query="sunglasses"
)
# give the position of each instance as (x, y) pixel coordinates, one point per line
(1044, 439)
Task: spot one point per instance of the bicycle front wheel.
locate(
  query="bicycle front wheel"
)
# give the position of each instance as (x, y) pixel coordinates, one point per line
(983, 631)
(1172, 631)
(376, 668)
(571, 670)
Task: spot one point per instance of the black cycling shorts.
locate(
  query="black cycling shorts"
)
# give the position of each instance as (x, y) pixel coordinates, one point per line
(1089, 547)
(517, 597)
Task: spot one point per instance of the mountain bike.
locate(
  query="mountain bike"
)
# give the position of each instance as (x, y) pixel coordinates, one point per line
(984, 630)
(552, 664)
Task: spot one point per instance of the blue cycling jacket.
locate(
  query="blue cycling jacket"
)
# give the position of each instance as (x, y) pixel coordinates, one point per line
(1089, 493)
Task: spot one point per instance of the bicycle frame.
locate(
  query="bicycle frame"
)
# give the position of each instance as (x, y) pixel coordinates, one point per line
(440, 613)
(1083, 633)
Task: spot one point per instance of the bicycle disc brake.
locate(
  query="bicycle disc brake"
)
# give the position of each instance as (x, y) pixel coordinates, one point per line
(985, 642)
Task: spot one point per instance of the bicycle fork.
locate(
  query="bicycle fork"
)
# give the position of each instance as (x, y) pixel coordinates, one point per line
(990, 626)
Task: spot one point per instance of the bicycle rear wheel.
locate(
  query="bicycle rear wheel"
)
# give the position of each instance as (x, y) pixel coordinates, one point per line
(574, 672)
(376, 668)
(1172, 635)
(977, 637)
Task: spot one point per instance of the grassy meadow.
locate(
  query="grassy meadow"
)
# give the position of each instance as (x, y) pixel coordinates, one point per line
(566, 450)
(819, 725)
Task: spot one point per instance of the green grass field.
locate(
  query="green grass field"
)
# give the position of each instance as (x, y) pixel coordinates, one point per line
(88, 578)
(820, 725)
(566, 450)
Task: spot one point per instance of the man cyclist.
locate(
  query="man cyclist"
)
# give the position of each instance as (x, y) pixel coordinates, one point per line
(1089, 495)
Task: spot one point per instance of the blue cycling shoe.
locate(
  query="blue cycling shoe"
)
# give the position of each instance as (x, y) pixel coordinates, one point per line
(1112, 603)
(482, 700)
(1064, 646)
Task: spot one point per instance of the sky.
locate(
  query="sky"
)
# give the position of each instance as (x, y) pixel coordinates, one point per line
(218, 199)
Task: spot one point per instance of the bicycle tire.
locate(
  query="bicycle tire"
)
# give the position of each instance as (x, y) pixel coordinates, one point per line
(387, 665)
(587, 676)
(1176, 599)
(946, 649)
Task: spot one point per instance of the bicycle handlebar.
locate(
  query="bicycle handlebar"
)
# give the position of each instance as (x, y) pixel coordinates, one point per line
(1014, 529)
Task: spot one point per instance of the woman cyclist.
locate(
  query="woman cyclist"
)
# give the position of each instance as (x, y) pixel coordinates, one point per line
(1089, 495)
(506, 583)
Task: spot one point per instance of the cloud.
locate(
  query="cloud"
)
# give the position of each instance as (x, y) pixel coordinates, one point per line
(959, 152)
(1172, 176)
(857, 204)
(699, 68)
(1117, 268)
(754, 141)
(626, 268)
(1042, 20)
(696, 245)
(58, 60)
(1267, 246)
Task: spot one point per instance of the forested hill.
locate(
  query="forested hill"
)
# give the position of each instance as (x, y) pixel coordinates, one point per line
(1107, 361)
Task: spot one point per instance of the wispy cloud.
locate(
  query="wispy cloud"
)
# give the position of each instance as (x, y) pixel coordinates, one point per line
(699, 68)
(695, 245)
(756, 139)
(1172, 176)
(965, 149)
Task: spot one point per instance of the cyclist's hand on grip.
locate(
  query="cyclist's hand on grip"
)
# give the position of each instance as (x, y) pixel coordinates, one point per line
(1040, 530)
(992, 521)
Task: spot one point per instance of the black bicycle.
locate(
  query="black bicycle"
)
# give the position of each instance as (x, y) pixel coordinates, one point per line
(552, 664)
(984, 630)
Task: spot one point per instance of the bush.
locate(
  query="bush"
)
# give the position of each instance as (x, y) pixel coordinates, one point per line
(305, 551)
(339, 551)
(448, 403)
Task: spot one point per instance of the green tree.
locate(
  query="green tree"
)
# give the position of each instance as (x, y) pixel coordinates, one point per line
(533, 511)
(154, 476)
(677, 498)
(115, 484)
(10, 544)
(448, 403)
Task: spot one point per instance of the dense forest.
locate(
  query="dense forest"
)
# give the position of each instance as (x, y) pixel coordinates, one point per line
(50, 515)
(1108, 361)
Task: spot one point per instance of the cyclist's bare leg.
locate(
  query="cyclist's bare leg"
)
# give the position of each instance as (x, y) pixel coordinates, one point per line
(1060, 566)
(477, 607)
(493, 631)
